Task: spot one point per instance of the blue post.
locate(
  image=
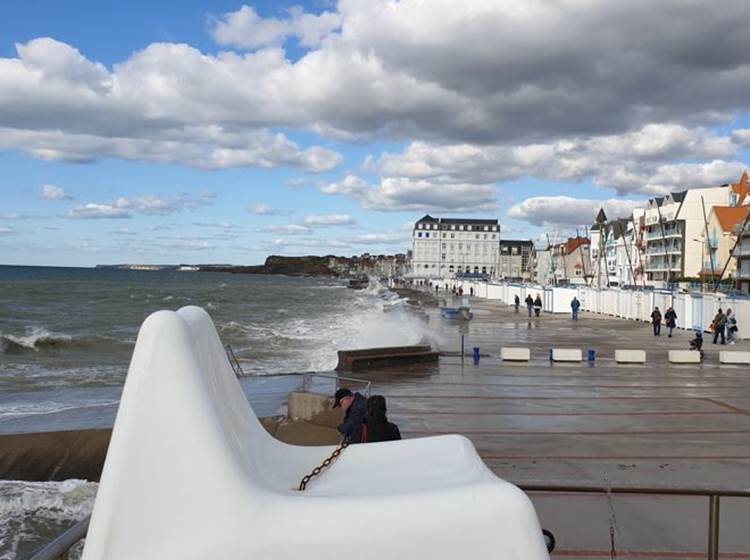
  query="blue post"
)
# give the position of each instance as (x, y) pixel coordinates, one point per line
(592, 354)
(550, 354)
(462, 348)
(476, 355)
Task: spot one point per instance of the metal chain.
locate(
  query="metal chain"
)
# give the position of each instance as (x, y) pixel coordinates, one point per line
(614, 530)
(325, 464)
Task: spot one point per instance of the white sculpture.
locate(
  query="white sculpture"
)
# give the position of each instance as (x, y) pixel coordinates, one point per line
(192, 474)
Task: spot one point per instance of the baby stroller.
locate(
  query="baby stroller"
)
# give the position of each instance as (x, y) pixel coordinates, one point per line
(697, 343)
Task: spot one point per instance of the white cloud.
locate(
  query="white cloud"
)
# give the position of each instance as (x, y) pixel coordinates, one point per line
(569, 211)
(7, 230)
(93, 211)
(404, 194)
(149, 205)
(262, 210)
(289, 229)
(329, 220)
(246, 29)
(52, 192)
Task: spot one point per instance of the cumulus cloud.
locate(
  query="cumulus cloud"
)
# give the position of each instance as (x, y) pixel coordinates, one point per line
(569, 211)
(384, 68)
(149, 205)
(405, 194)
(7, 230)
(288, 229)
(629, 162)
(244, 28)
(52, 192)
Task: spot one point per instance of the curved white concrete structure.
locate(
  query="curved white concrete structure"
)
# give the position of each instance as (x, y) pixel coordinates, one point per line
(191, 474)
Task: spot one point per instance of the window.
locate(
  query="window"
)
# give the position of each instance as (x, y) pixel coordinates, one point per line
(443, 236)
(484, 270)
(443, 256)
(427, 266)
(434, 226)
(426, 234)
(485, 235)
(468, 228)
(486, 228)
(453, 227)
(476, 236)
(420, 226)
(460, 246)
(443, 245)
(419, 234)
(493, 236)
(453, 235)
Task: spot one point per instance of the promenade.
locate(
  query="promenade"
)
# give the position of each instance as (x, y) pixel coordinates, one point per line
(591, 424)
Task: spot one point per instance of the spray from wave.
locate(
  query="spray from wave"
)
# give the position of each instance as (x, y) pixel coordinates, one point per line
(39, 339)
(33, 513)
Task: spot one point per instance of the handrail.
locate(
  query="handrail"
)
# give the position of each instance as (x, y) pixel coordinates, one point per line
(713, 494)
(59, 547)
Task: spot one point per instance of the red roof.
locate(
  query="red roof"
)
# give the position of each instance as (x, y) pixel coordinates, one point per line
(730, 216)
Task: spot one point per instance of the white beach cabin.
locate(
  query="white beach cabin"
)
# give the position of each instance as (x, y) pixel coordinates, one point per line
(192, 474)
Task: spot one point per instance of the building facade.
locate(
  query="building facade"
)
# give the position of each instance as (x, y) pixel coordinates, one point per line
(675, 229)
(516, 260)
(443, 247)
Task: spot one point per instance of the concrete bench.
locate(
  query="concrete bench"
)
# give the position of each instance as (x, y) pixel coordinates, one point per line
(510, 354)
(567, 355)
(684, 357)
(734, 357)
(357, 360)
(630, 356)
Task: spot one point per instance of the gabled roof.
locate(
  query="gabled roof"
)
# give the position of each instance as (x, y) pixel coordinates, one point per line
(601, 217)
(427, 218)
(730, 216)
(742, 189)
(679, 196)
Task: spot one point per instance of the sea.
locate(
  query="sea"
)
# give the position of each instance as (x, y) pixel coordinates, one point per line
(67, 335)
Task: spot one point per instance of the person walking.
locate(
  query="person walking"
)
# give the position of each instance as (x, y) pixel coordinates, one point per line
(517, 302)
(529, 303)
(670, 319)
(656, 321)
(720, 322)
(731, 327)
(574, 306)
(537, 305)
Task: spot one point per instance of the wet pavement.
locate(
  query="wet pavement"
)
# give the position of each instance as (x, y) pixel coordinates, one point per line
(598, 423)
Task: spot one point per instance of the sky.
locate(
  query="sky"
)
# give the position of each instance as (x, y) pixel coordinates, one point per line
(220, 132)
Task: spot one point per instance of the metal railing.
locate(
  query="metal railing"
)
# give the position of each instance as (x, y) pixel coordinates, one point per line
(59, 547)
(714, 496)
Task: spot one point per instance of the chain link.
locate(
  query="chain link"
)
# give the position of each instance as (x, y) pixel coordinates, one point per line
(324, 465)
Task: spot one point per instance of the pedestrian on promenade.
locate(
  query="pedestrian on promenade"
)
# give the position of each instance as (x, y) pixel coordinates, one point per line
(517, 302)
(731, 327)
(460, 290)
(529, 303)
(437, 289)
(575, 305)
(355, 410)
(471, 292)
(720, 322)
(376, 426)
(537, 305)
(656, 321)
(670, 319)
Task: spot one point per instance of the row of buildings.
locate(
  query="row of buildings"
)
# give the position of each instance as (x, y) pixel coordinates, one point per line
(697, 235)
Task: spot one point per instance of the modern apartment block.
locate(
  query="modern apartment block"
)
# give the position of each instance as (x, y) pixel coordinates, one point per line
(443, 247)
(675, 230)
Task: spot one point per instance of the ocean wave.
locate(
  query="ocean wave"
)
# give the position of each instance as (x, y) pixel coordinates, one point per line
(38, 338)
(33, 513)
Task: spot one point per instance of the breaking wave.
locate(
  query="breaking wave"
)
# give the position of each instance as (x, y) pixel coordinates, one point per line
(38, 339)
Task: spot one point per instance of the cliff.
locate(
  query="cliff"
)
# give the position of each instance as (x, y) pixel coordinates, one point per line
(275, 264)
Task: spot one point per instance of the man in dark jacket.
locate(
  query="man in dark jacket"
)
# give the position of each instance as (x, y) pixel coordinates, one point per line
(656, 321)
(529, 303)
(355, 410)
(720, 321)
(377, 427)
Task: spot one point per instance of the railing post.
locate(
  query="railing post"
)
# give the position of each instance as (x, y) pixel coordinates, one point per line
(713, 527)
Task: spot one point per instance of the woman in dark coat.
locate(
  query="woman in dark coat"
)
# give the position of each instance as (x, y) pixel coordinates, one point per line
(670, 319)
(377, 427)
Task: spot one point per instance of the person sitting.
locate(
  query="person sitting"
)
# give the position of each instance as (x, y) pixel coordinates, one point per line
(377, 427)
(697, 342)
(355, 410)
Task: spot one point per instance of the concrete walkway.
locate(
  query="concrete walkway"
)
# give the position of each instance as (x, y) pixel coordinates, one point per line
(647, 425)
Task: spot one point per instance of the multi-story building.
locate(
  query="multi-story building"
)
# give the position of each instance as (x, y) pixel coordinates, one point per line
(570, 261)
(616, 259)
(542, 274)
(516, 259)
(675, 225)
(443, 247)
(724, 224)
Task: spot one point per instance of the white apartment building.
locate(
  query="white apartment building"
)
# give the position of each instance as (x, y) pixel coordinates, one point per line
(675, 230)
(442, 247)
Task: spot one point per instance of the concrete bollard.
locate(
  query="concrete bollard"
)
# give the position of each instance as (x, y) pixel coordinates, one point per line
(630, 356)
(566, 355)
(684, 357)
(734, 357)
(508, 354)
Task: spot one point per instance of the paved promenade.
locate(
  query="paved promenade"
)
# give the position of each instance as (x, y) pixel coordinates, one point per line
(641, 425)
